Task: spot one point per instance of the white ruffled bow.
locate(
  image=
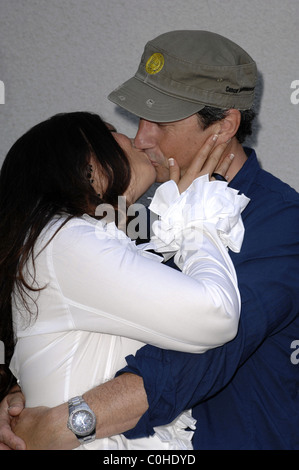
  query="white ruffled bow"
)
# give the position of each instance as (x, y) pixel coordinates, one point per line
(211, 205)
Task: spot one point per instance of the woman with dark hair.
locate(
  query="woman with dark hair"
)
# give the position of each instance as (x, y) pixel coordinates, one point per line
(77, 295)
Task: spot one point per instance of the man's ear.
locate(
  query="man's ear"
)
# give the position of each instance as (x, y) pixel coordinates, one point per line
(230, 125)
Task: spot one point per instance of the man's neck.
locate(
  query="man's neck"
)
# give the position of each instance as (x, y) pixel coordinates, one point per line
(240, 158)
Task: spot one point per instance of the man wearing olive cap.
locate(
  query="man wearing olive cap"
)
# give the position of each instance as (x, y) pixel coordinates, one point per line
(186, 81)
(245, 394)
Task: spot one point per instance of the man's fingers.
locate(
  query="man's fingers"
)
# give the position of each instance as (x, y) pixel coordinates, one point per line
(11, 405)
(15, 402)
(8, 440)
(4, 447)
(15, 409)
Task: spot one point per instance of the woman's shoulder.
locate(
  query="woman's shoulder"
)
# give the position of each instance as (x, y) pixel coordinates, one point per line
(63, 225)
(65, 221)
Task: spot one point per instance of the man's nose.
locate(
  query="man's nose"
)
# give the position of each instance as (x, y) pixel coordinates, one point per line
(145, 137)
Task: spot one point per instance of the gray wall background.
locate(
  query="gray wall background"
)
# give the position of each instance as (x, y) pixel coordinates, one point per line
(67, 55)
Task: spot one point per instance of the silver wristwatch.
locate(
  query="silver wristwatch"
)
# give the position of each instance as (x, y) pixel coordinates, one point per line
(82, 420)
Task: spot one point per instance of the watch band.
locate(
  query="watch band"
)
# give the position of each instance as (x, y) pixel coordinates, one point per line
(86, 439)
(75, 401)
(79, 402)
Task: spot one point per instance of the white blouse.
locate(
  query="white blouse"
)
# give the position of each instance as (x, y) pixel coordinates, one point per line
(103, 298)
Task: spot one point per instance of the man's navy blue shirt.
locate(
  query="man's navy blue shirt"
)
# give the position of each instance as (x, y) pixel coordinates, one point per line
(245, 394)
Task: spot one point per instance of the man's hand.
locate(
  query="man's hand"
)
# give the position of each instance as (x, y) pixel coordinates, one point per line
(37, 428)
(44, 428)
(31, 426)
(118, 405)
(11, 406)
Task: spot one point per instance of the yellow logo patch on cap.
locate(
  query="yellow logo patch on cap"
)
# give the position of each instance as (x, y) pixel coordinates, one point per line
(155, 63)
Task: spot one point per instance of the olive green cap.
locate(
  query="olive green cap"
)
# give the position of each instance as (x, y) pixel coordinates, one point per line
(181, 72)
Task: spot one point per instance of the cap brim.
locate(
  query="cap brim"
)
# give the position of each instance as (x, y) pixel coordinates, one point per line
(148, 103)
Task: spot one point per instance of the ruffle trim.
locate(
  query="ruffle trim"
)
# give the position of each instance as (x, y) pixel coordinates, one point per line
(205, 204)
(179, 433)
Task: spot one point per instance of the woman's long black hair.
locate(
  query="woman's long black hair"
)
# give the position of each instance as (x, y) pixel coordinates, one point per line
(46, 173)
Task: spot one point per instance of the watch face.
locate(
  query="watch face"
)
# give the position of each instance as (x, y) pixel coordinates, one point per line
(82, 422)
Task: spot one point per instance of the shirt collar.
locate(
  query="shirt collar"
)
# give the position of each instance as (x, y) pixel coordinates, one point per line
(247, 174)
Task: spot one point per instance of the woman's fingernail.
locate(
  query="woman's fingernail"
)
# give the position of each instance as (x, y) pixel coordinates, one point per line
(171, 162)
(231, 156)
(215, 137)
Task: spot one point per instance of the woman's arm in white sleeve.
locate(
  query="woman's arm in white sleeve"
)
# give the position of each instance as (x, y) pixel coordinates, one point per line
(125, 294)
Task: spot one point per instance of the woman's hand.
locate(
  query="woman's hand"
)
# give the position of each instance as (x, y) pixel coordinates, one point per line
(209, 160)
